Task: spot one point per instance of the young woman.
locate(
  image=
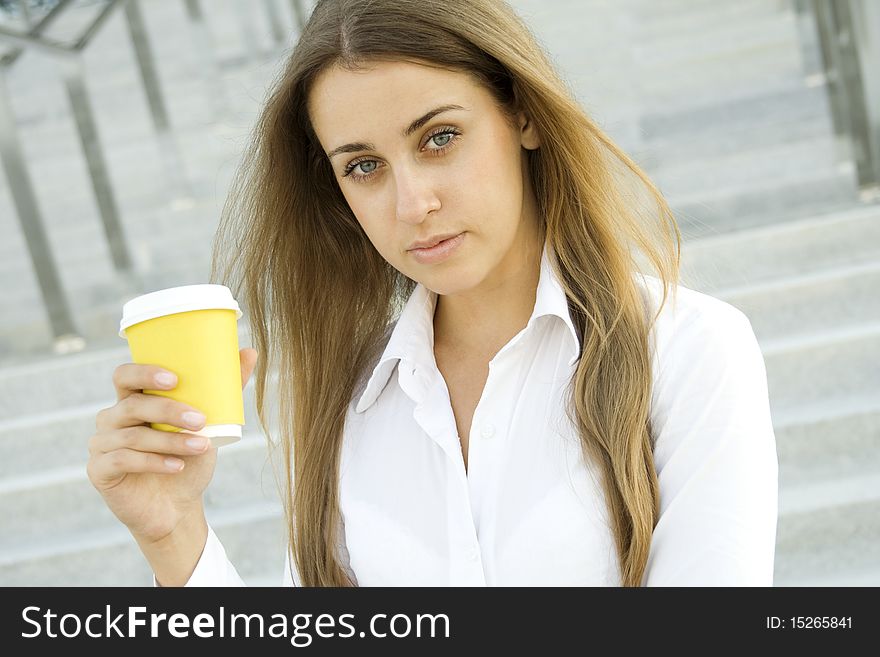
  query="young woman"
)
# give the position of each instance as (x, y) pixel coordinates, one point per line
(477, 385)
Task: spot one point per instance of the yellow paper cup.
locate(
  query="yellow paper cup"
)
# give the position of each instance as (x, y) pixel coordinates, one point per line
(192, 331)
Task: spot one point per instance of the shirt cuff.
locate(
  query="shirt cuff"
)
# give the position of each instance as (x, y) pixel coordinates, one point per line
(213, 568)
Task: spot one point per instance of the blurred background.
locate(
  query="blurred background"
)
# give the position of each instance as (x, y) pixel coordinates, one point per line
(122, 122)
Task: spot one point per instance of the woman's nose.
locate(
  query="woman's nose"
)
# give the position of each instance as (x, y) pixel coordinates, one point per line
(416, 197)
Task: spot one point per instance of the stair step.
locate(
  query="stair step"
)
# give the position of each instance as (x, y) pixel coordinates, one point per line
(58, 439)
(252, 535)
(814, 301)
(695, 9)
(67, 380)
(824, 369)
(65, 499)
(735, 209)
(763, 253)
(812, 447)
(829, 528)
(660, 20)
(656, 151)
(869, 576)
(748, 166)
(750, 119)
(716, 38)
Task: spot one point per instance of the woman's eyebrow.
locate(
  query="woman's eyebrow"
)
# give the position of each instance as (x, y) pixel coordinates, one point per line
(415, 125)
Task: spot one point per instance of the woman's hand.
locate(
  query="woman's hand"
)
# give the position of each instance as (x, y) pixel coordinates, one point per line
(151, 479)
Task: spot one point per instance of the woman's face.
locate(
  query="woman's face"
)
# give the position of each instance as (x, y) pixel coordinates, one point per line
(410, 173)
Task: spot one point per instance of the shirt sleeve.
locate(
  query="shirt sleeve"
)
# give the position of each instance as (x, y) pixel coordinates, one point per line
(715, 455)
(214, 567)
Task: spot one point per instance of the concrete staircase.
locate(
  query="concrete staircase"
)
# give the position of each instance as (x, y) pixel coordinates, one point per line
(711, 101)
(809, 289)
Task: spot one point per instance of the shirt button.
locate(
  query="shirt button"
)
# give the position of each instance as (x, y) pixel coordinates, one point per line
(487, 431)
(474, 554)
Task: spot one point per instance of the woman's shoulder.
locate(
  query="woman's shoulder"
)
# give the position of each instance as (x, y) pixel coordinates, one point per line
(683, 304)
(690, 320)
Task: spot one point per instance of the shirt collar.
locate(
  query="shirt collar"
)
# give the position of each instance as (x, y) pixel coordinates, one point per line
(412, 337)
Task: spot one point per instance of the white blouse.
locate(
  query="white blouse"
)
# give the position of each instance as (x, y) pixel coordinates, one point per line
(529, 511)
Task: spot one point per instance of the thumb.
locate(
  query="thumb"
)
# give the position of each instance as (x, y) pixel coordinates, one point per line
(248, 357)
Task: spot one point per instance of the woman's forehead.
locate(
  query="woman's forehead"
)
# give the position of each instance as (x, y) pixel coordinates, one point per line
(387, 93)
(378, 80)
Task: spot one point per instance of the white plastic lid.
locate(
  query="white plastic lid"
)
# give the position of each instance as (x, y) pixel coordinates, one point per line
(220, 434)
(176, 300)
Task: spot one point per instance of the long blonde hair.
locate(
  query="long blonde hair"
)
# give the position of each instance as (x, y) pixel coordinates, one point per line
(320, 297)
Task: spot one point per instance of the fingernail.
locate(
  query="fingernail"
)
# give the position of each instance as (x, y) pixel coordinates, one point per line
(174, 464)
(165, 379)
(193, 419)
(196, 443)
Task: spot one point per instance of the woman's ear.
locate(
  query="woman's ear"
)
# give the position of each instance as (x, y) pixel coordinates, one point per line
(528, 134)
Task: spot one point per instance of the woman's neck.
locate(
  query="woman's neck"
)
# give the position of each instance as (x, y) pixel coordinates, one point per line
(478, 322)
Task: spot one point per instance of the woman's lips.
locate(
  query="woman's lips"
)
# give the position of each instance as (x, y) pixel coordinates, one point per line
(438, 252)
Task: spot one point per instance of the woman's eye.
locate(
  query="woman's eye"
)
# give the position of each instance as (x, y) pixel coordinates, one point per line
(369, 166)
(443, 135)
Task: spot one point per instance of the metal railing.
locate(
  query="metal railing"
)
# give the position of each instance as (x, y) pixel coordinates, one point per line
(31, 36)
(845, 37)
